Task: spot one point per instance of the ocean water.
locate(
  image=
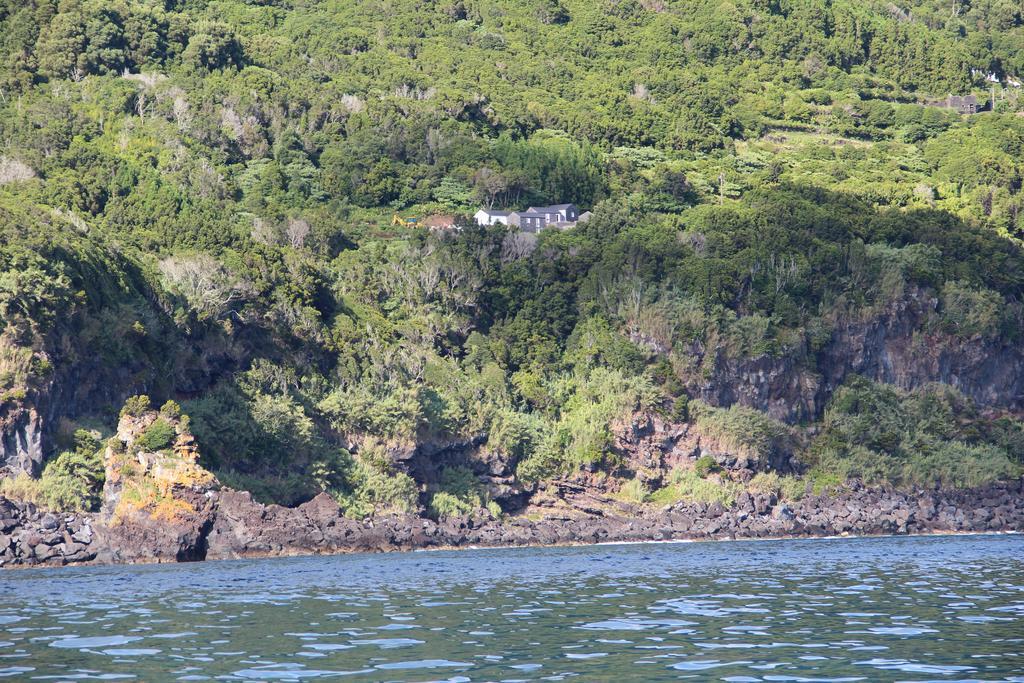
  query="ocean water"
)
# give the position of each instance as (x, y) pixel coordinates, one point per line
(873, 609)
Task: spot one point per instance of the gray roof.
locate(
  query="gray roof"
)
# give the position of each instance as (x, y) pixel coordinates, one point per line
(553, 208)
(496, 213)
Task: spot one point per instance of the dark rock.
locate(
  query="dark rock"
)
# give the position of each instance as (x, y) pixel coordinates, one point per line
(230, 524)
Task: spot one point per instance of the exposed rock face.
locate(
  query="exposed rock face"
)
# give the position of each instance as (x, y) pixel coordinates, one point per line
(21, 440)
(650, 447)
(140, 537)
(229, 524)
(496, 471)
(892, 347)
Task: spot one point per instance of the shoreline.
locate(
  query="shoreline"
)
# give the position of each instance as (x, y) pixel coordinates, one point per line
(461, 548)
(230, 525)
(740, 539)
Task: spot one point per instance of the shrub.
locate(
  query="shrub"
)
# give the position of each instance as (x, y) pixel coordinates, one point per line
(787, 488)
(13, 396)
(745, 432)
(546, 460)
(1007, 433)
(582, 434)
(329, 472)
(680, 409)
(444, 504)
(157, 436)
(967, 312)
(515, 435)
(958, 464)
(374, 489)
(704, 466)
(22, 488)
(879, 434)
(171, 410)
(459, 492)
(393, 414)
(135, 406)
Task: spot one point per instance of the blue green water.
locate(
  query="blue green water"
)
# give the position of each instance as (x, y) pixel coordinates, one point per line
(881, 609)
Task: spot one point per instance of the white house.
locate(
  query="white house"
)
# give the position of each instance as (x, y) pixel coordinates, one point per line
(535, 218)
(488, 217)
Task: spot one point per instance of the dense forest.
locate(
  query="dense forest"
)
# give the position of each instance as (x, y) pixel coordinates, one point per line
(196, 202)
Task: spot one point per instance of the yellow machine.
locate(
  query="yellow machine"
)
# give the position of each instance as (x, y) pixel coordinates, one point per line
(403, 222)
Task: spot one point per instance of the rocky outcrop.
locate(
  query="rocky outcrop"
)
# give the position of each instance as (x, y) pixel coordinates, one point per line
(21, 439)
(139, 537)
(229, 524)
(29, 536)
(650, 447)
(894, 346)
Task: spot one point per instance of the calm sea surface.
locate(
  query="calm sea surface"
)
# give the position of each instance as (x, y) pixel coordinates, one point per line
(892, 609)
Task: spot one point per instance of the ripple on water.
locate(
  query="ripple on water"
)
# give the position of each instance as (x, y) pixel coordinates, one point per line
(914, 667)
(544, 614)
(277, 672)
(704, 664)
(637, 624)
(424, 664)
(93, 642)
(87, 675)
(899, 630)
(388, 643)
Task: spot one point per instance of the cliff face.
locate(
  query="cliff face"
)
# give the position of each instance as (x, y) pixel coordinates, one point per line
(87, 380)
(893, 346)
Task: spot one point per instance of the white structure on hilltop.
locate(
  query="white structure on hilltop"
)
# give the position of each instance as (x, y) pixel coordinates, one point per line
(489, 217)
(535, 218)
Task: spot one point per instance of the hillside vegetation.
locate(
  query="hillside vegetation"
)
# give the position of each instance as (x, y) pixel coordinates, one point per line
(196, 201)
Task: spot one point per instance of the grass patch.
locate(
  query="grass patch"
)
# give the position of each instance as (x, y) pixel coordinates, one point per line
(786, 488)
(633, 491)
(686, 485)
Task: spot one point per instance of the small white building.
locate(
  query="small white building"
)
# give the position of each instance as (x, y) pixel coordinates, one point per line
(488, 217)
(535, 218)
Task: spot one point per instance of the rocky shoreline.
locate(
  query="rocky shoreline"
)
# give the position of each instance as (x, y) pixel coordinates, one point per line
(229, 524)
